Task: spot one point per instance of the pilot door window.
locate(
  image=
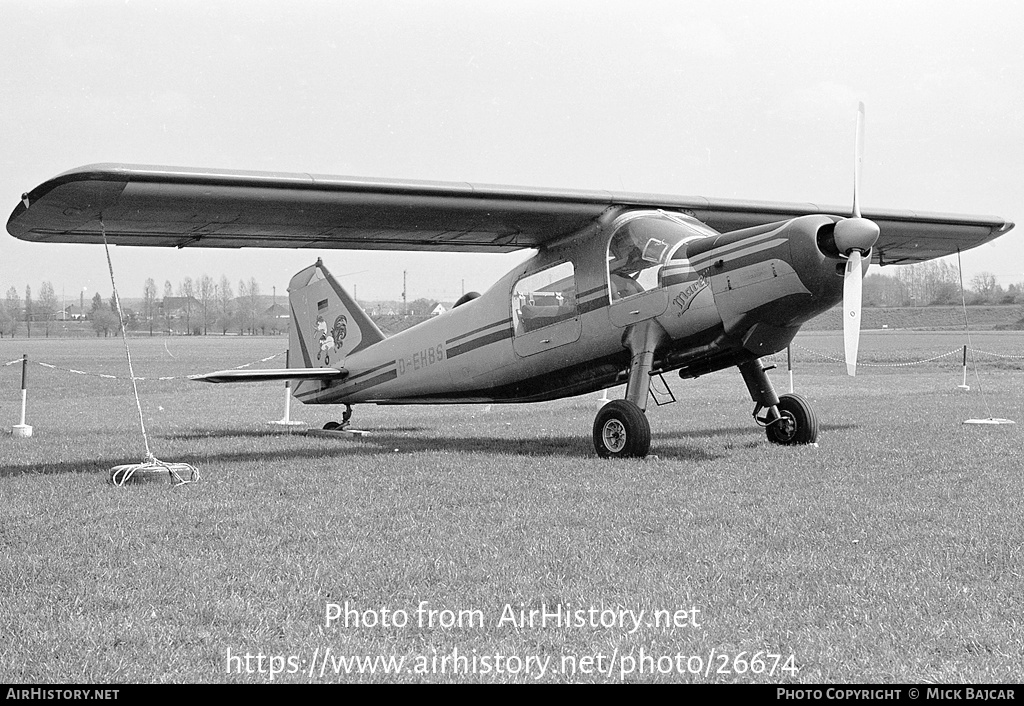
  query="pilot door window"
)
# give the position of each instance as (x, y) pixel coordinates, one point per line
(544, 298)
(635, 255)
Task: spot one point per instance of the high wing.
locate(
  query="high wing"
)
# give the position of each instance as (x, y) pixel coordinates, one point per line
(180, 207)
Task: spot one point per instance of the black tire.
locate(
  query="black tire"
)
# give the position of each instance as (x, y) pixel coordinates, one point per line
(798, 424)
(621, 430)
(331, 426)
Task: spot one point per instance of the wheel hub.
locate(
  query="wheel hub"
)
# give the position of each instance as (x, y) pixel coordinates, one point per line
(614, 435)
(786, 426)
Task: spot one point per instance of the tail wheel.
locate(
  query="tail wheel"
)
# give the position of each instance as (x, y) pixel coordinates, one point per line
(621, 430)
(797, 424)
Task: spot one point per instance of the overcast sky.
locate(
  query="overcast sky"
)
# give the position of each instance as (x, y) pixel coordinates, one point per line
(753, 100)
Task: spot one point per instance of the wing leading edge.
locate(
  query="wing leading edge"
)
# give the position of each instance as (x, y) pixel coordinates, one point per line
(179, 207)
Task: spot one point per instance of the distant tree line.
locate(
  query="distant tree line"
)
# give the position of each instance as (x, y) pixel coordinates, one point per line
(935, 283)
(204, 306)
(35, 312)
(196, 307)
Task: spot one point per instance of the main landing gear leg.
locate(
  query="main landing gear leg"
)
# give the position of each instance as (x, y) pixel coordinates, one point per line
(788, 419)
(621, 429)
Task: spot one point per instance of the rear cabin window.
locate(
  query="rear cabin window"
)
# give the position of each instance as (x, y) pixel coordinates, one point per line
(544, 298)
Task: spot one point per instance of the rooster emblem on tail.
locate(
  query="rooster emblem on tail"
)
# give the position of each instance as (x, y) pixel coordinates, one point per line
(332, 339)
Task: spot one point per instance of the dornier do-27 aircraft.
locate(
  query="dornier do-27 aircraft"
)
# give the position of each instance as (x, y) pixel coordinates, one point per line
(622, 286)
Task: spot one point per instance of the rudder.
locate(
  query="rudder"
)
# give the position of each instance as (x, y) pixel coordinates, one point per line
(327, 324)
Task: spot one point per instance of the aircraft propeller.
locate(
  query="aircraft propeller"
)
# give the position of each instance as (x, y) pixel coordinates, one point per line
(854, 238)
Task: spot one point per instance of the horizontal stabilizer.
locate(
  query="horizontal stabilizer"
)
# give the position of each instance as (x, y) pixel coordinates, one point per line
(268, 375)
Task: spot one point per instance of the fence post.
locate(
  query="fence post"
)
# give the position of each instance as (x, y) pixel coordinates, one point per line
(287, 419)
(23, 430)
(965, 386)
(789, 364)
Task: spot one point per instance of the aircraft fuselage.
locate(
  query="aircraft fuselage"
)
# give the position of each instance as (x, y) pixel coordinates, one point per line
(715, 301)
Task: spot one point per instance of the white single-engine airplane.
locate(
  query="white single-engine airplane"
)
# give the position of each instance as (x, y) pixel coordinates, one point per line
(622, 287)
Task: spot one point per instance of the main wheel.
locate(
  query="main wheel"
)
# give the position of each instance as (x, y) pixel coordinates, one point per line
(621, 430)
(798, 424)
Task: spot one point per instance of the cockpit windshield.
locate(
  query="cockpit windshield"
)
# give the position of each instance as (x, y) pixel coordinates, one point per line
(642, 244)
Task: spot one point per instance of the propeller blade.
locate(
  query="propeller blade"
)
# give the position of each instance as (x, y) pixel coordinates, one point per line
(852, 286)
(858, 163)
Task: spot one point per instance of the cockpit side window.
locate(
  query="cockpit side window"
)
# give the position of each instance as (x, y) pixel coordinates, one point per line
(636, 252)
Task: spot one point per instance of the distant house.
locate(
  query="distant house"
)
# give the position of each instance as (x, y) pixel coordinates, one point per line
(179, 307)
(278, 317)
(72, 313)
(277, 311)
(380, 309)
(437, 310)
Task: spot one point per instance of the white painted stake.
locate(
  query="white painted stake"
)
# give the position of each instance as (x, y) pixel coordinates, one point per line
(965, 386)
(789, 364)
(23, 430)
(287, 419)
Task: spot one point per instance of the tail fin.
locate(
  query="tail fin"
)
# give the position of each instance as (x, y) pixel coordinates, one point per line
(327, 324)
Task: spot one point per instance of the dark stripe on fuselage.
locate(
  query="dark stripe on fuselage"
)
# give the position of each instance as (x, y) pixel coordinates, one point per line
(365, 384)
(673, 280)
(593, 305)
(478, 330)
(598, 302)
(350, 378)
(478, 342)
(337, 391)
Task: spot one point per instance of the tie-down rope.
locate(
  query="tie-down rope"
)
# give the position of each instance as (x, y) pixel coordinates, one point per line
(179, 473)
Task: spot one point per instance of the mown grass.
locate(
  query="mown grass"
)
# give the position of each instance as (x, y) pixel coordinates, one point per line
(889, 552)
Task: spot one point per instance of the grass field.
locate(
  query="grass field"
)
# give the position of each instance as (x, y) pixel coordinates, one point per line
(889, 552)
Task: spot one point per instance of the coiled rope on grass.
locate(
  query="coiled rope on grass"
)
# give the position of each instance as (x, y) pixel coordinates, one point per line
(178, 473)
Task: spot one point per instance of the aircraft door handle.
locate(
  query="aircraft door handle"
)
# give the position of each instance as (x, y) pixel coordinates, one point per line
(545, 340)
(634, 313)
